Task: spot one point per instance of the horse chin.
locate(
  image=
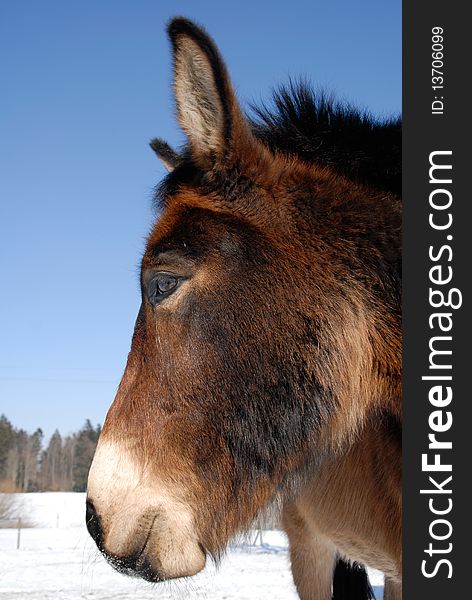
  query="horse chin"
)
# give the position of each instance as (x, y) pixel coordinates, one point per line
(154, 553)
(157, 565)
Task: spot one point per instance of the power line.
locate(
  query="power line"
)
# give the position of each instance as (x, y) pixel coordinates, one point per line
(58, 380)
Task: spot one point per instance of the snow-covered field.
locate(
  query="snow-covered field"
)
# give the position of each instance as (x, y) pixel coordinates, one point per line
(58, 560)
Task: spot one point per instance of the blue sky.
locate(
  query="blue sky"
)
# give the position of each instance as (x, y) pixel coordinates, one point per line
(85, 85)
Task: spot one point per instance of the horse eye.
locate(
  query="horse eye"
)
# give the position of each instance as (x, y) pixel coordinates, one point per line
(161, 286)
(166, 282)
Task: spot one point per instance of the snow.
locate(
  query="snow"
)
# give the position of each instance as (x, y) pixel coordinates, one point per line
(50, 509)
(58, 560)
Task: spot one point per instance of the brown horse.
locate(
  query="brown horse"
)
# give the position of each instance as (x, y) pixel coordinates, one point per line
(265, 367)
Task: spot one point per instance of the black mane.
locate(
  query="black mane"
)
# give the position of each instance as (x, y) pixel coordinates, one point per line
(320, 130)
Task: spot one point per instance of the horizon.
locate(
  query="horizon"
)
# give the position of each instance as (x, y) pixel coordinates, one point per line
(45, 440)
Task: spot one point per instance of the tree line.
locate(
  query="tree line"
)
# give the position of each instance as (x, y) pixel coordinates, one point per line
(63, 465)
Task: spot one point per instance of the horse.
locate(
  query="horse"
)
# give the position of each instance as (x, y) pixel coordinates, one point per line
(265, 364)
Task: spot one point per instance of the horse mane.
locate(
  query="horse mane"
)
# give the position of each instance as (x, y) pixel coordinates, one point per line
(316, 128)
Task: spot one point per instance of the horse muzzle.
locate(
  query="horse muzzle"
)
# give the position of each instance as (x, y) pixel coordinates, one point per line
(143, 531)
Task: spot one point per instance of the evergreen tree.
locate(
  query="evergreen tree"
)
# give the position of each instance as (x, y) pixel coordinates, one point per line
(62, 466)
(85, 444)
(7, 439)
(51, 464)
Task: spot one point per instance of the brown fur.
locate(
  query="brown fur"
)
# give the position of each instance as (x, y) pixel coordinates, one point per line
(273, 372)
(353, 505)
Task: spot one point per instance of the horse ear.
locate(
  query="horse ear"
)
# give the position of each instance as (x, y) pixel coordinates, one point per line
(207, 108)
(168, 156)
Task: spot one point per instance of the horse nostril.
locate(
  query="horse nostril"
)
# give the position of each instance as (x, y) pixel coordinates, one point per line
(92, 521)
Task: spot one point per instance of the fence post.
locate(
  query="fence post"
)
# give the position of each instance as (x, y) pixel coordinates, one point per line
(18, 537)
(258, 536)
